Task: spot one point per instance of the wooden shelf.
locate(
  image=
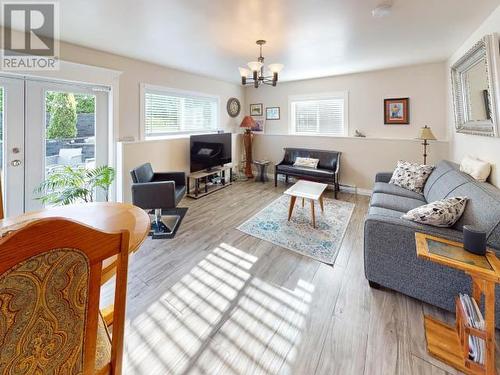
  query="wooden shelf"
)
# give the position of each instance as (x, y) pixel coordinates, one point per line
(450, 344)
(202, 176)
(443, 343)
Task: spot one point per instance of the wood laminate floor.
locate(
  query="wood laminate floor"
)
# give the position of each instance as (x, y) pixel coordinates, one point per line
(217, 301)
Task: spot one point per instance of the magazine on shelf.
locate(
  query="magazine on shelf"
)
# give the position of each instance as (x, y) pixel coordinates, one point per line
(474, 317)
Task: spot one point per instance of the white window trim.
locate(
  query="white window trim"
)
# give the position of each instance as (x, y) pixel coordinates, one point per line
(145, 87)
(323, 95)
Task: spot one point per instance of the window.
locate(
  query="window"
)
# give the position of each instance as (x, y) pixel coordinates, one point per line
(168, 112)
(324, 114)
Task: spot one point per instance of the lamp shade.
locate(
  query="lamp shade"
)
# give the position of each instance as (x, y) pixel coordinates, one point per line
(244, 72)
(255, 65)
(425, 134)
(275, 68)
(247, 122)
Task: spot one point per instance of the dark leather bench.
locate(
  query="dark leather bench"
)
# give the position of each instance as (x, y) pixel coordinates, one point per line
(327, 171)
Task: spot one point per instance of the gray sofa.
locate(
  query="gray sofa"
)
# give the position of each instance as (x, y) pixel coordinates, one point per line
(389, 241)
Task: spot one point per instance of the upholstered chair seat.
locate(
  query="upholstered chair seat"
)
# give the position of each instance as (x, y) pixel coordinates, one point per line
(49, 299)
(103, 348)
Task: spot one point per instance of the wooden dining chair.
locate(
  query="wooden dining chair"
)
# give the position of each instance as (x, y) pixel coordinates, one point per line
(50, 280)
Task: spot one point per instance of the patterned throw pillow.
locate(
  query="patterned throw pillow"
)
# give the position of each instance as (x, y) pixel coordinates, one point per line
(306, 162)
(443, 213)
(411, 176)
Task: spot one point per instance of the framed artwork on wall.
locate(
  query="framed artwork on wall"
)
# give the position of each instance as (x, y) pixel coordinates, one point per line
(272, 113)
(259, 125)
(256, 109)
(397, 111)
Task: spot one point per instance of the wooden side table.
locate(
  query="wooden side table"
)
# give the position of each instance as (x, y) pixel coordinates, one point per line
(262, 169)
(450, 344)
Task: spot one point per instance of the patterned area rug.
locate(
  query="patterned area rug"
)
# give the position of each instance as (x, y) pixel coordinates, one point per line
(321, 243)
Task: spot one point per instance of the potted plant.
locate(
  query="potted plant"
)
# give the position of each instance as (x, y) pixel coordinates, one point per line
(67, 185)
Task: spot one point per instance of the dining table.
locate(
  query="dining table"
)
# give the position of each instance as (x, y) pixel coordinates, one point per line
(104, 216)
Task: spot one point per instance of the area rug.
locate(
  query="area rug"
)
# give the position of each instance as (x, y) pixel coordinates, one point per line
(321, 243)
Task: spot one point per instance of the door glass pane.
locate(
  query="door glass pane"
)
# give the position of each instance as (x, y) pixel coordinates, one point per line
(69, 131)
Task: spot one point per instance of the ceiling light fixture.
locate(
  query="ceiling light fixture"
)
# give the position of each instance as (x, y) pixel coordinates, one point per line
(255, 74)
(382, 10)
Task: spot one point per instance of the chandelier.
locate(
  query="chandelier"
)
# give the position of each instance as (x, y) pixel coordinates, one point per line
(255, 74)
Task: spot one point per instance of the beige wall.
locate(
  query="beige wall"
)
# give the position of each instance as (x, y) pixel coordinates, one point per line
(361, 158)
(164, 155)
(367, 91)
(385, 144)
(462, 144)
(135, 72)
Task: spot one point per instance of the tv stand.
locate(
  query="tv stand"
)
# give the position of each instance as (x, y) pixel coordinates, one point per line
(201, 177)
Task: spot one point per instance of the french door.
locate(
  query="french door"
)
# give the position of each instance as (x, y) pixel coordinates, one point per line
(48, 126)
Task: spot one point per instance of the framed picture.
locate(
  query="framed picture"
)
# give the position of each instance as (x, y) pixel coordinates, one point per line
(397, 111)
(256, 109)
(259, 126)
(272, 113)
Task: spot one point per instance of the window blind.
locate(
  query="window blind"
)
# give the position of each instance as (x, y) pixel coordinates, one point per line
(319, 116)
(170, 112)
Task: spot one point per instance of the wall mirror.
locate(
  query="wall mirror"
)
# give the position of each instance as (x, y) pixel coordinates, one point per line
(475, 88)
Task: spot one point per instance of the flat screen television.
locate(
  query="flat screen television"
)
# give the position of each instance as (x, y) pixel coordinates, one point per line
(210, 150)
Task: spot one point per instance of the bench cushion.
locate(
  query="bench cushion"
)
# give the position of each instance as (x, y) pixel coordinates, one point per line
(304, 171)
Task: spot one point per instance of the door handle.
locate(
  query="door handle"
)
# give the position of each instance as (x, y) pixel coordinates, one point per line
(15, 163)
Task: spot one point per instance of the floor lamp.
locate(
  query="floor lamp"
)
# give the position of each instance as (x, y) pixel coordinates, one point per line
(426, 135)
(247, 123)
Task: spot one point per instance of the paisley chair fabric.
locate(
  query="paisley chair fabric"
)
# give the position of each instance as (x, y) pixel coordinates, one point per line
(43, 309)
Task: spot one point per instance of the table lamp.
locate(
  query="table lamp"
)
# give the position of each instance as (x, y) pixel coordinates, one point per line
(425, 135)
(247, 123)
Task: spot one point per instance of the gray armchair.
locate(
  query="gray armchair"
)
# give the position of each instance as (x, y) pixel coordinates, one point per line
(158, 191)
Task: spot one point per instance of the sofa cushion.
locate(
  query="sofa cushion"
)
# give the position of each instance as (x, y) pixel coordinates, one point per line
(313, 172)
(446, 185)
(444, 213)
(483, 209)
(441, 168)
(393, 202)
(383, 187)
(384, 212)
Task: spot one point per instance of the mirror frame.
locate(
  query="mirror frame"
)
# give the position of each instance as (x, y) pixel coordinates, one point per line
(489, 49)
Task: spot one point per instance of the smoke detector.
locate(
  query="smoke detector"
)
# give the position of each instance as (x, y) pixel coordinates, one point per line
(383, 10)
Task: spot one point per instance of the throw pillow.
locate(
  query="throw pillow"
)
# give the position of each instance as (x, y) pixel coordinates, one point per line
(306, 162)
(411, 176)
(478, 169)
(442, 213)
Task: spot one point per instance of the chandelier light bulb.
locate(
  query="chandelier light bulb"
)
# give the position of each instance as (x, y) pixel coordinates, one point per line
(275, 68)
(259, 74)
(244, 72)
(255, 66)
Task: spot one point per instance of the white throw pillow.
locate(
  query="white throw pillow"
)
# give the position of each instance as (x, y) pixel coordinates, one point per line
(478, 169)
(442, 213)
(411, 176)
(306, 162)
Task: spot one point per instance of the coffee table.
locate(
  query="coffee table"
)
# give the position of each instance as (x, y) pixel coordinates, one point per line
(306, 190)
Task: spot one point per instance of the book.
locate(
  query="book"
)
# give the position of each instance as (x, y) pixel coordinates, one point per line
(474, 317)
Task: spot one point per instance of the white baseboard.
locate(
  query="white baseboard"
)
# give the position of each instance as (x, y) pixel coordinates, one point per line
(356, 190)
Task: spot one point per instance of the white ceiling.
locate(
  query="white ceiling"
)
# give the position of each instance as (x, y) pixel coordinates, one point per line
(313, 38)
